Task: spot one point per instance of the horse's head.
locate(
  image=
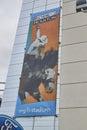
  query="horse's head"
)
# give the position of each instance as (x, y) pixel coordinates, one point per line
(49, 86)
(49, 80)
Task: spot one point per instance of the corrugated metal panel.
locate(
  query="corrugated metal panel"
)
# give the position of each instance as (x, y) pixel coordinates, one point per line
(27, 1)
(27, 6)
(20, 38)
(10, 95)
(12, 82)
(22, 30)
(25, 14)
(17, 58)
(26, 121)
(15, 69)
(39, 3)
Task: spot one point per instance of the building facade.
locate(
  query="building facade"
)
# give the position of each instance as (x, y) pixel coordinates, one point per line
(73, 97)
(14, 72)
(71, 104)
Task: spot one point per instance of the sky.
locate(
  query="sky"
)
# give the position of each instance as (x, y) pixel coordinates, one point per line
(9, 16)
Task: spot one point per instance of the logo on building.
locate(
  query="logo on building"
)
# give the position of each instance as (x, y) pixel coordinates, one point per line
(7, 123)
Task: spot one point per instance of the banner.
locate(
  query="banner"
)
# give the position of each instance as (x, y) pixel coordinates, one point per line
(38, 81)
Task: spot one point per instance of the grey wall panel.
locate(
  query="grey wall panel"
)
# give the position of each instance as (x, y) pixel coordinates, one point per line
(74, 35)
(73, 73)
(7, 111)
(26, 1)
(12, 85)
(58, 90)
(43, 118)
(69, 7)
(25, 13)
(56, 128)
(74, 52)
(44, 128)
(10, 105)
(51, 6)
(56, 122)
(45, 123)
(74, 20)
(39, 3)
(12, 81)
(27, 6)
(26, 121)
(73, 95)
(8, 108)
(22, 30)
(24, 22)
(39, 122)
(51, 2)
(10, 95)
(17, 58)
(15, 69)
(20, 38)
(73, 119)
(27, 128)
(57, 107)
(39, 9)
(18, 49)
(64, 1)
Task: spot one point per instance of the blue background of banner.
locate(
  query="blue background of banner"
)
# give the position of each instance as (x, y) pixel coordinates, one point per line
(35, 109)
(57, 10)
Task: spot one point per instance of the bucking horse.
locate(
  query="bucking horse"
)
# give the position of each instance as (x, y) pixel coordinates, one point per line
(36, 71)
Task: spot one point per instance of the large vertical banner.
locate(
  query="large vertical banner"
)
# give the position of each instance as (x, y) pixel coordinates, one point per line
(38, 81)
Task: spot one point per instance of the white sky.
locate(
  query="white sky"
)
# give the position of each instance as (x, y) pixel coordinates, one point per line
(9, 16)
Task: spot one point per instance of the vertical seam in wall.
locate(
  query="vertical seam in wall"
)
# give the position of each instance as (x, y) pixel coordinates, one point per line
(59, 41)
(46, 5)
(33, 123)
(33, 6)
(54, 122)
